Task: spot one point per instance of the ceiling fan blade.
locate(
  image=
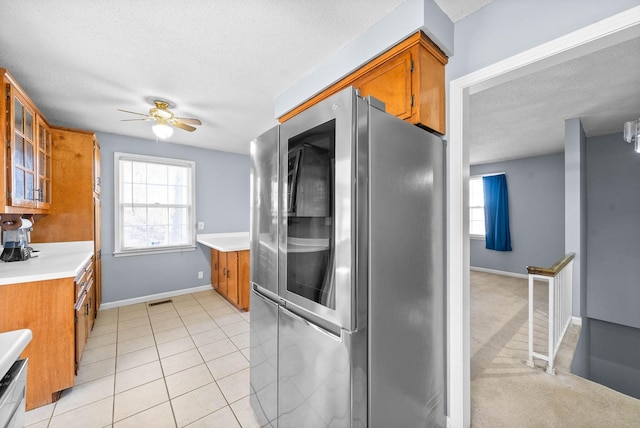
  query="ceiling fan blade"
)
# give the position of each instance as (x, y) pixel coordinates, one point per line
(146, 119)
(133, 112)
(184, 126)
(189, 121)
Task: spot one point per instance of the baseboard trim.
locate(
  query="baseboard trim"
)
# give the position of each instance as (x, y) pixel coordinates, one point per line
(576, 320)
(152, 297)
(499, 272)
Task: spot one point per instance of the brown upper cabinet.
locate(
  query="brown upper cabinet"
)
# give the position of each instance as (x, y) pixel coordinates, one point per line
(25, 187)
(408, 78)
(75, 214)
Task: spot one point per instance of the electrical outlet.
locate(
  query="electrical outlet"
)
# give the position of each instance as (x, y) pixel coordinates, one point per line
(201, 225)
(200, 274)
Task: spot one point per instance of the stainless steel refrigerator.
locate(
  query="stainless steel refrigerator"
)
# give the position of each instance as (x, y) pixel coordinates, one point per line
(347, 270)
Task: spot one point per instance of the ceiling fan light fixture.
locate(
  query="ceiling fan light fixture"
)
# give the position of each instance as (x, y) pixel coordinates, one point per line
(164, 120)
(162, 130)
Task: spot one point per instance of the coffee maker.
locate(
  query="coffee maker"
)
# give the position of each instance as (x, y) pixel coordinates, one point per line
(15, 238)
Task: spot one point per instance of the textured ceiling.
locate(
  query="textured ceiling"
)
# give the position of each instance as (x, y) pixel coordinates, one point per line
(225, 62)
(525, 117)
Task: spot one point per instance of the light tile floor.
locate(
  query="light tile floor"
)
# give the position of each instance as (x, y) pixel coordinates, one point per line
(178, 364)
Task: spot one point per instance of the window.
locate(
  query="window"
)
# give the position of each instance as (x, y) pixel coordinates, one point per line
(476, 207)
(154, 204)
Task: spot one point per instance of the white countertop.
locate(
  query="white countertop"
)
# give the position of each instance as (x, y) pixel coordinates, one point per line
(12, 343)
(234, 241)
(53, 261)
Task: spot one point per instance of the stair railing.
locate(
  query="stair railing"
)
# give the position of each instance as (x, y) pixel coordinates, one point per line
(560, 279)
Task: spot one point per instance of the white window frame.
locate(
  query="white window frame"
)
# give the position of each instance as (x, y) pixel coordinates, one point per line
(472, 207)
(119, 206)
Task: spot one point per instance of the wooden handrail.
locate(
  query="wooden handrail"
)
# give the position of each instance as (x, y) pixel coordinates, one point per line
(553, 270)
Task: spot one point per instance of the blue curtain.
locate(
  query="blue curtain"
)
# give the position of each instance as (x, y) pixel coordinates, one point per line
(496, 212)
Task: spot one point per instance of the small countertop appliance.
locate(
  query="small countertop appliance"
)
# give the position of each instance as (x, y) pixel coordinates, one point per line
(15, 239)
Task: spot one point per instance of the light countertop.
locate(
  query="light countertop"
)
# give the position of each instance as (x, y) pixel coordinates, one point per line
(234, 241)
(53, 261)
(12, 343)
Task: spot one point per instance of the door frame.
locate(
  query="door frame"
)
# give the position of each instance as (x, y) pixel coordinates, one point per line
(602, 34)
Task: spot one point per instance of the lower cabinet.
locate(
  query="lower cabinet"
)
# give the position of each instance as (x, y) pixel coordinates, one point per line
(84, 309)
(230, 276)
(59, 314)
(46, 308)
(215, 264)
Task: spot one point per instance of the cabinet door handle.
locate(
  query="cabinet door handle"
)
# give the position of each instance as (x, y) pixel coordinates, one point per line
(224, 271)
(215, 266)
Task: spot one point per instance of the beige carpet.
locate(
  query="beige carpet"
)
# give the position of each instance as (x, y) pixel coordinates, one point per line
(505, 392)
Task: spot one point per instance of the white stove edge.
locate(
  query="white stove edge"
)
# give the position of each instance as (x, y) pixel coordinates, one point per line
(12, 343)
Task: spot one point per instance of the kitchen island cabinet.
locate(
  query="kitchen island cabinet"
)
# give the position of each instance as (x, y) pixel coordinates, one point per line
(40, 294)
(230, 276)
(229, 265)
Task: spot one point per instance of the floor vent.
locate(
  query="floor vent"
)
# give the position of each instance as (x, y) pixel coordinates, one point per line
(161, 302)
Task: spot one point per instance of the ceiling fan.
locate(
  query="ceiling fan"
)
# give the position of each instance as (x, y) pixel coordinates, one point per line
(164, 119)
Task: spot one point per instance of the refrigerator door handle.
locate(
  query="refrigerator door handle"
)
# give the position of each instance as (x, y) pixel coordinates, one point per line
(262, 296)
(318, 328)
(264, 293)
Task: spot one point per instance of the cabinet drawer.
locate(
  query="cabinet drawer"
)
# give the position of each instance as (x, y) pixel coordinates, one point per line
(83, 279)
(80, 301)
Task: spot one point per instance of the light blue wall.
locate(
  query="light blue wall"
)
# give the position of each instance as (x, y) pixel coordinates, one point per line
(609, 344)
(536, 214)
(575, 209)
(495, 32)
(222, 203)
(613, 232)
(505, 28)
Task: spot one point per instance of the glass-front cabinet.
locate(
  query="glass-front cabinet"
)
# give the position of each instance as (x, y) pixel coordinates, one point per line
(28, 153)
(22, 154)
(43, 189)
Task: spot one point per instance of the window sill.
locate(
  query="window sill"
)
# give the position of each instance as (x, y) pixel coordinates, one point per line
(478, 237)
(154, 251)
